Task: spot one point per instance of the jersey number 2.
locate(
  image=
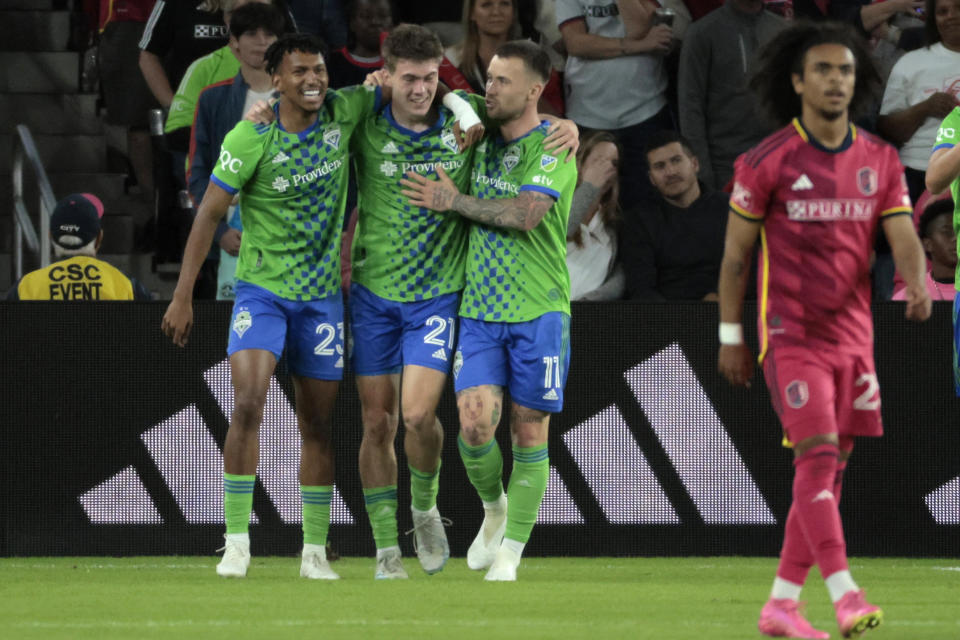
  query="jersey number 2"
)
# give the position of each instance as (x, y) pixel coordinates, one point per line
(869, 400)
(439, 325)
(329, 333)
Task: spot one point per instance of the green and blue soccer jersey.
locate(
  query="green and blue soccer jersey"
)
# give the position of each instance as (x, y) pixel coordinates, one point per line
(512, 275)
(949, 136)
(402, 252)
(292, 195)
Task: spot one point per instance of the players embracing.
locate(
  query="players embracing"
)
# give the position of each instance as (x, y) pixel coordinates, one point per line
(815, 193)
(409, 263)
(515, 312)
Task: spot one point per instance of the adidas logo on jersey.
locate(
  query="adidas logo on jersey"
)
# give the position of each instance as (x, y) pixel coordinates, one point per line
(280, 157)
(823, 495)
(440, 354)
(551, 395)
(803, 183)
(390, 147)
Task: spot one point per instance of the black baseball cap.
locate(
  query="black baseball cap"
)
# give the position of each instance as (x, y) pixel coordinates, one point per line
(76, 220)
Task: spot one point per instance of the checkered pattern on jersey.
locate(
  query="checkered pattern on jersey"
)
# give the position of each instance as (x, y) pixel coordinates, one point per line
(495, 274)
(401, 252)
(299, 185)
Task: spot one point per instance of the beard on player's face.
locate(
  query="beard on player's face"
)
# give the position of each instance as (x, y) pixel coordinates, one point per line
(830, 116)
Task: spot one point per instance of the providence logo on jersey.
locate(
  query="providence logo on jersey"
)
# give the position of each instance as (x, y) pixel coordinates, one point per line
(497, 183)
(281, 184)
(390, 169)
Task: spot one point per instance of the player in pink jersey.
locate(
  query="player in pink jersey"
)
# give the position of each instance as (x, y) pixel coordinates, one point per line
(815, 193)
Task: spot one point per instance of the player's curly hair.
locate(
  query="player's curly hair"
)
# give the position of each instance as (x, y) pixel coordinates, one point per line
(290, 42)
(784, 56)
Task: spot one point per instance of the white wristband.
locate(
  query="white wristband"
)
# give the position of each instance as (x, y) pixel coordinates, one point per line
(462, 111)
(731, 333)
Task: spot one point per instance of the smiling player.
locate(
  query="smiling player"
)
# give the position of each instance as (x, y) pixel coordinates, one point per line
(291, 176)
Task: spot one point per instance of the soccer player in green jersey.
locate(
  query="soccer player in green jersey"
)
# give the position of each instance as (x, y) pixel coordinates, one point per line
(515, 313)
(292, 177)
(408, 270)
(942, 172)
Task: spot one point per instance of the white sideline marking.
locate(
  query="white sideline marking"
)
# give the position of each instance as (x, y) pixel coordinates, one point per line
(62, 565)
(344, 622)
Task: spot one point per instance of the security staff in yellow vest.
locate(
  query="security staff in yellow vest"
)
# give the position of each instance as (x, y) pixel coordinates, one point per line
(77, 274)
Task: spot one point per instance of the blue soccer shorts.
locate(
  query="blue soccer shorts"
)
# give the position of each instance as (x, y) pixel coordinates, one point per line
(386, 335)
(529, 358)
(312, 331)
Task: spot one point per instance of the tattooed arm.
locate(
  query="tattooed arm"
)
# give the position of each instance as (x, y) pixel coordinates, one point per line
(523, 212)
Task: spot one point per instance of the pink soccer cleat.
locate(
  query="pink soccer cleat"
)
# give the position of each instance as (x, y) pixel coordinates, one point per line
(783, 618)
(855, 615)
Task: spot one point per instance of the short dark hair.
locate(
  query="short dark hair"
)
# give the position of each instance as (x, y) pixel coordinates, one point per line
(535, 59)
(411, 42)
(931, 212)
(664, 137)
(785, 55)
(256, 15)
(290, 42)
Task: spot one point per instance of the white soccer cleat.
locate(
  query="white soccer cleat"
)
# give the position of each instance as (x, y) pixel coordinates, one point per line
(236, 558)
(504, 567)
(484, 547)
(390, 566)
(314, 564)
(430, 539)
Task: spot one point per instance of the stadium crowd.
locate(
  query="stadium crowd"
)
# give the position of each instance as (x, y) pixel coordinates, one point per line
(627, 72)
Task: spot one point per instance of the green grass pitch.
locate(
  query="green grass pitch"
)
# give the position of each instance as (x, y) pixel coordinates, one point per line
(594, 598)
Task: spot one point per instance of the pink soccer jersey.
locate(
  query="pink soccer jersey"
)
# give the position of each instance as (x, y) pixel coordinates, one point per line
(820, 210)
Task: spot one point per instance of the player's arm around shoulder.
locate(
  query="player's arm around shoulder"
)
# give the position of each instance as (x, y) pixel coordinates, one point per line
(356, 103)
(469, 125)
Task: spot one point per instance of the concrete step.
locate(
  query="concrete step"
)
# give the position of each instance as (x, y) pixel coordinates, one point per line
(35, 30)
(39, 72)
(118, 234)
(106, 186)
(63, 114)
(61, 154)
